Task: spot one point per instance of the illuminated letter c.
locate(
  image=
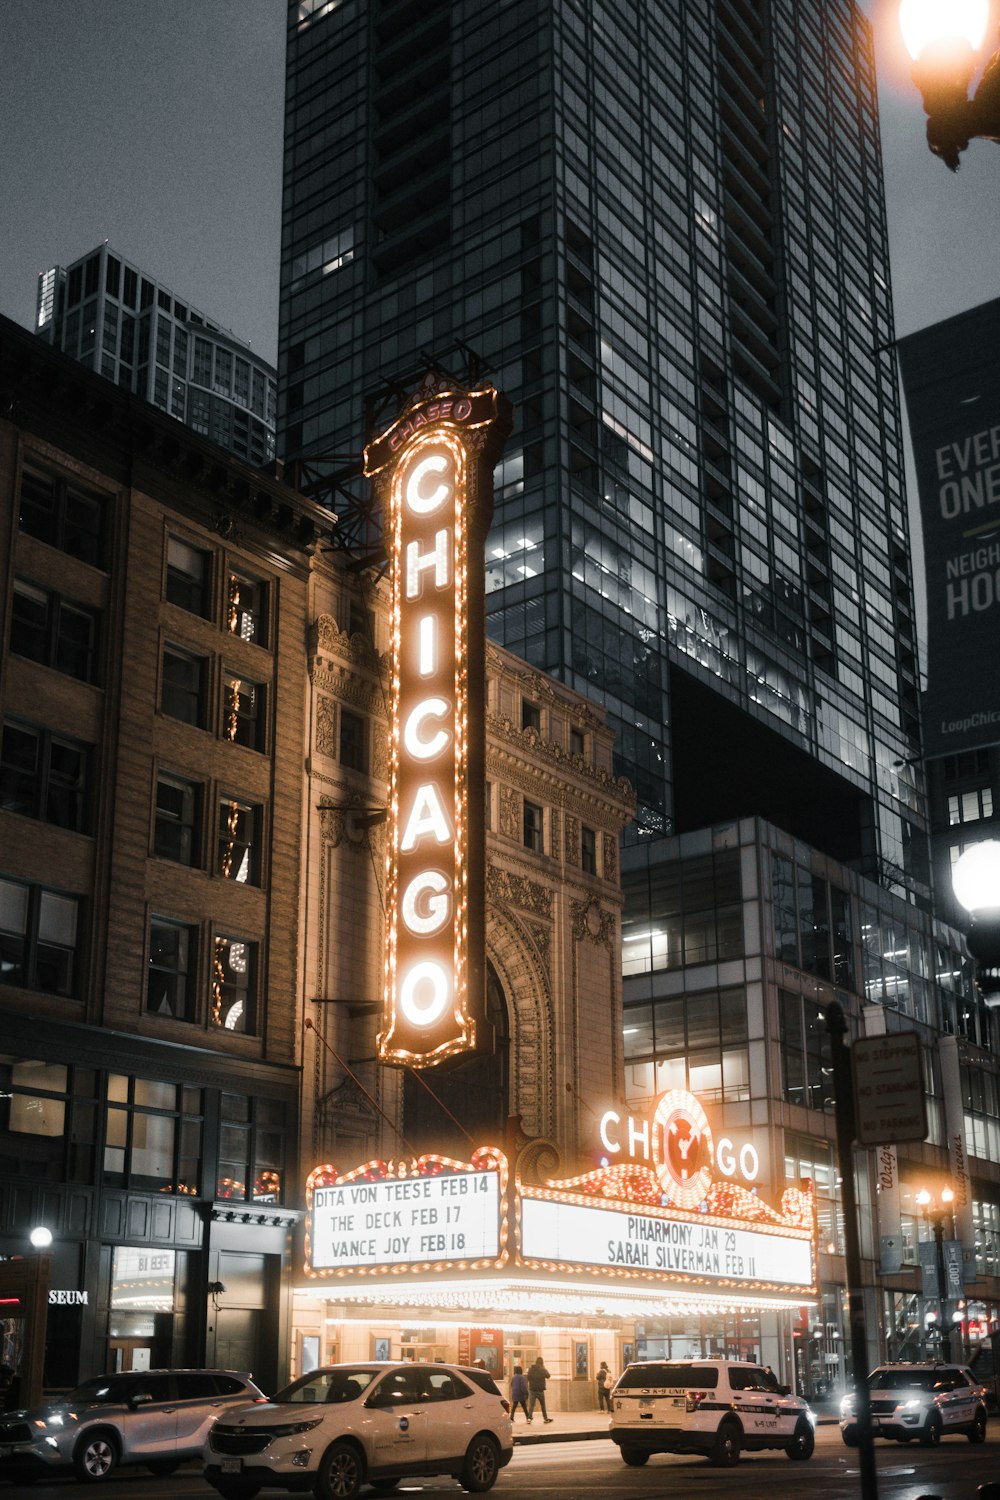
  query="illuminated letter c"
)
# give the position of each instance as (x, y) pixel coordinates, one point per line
(421, 749)
(420, 504)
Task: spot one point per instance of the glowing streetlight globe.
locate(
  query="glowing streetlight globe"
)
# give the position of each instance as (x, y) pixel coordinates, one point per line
(41, 1237)
(975, 877)
(927, 23)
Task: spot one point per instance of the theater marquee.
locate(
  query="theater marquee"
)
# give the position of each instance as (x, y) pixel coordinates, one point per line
(675, 1222)
(433, 471)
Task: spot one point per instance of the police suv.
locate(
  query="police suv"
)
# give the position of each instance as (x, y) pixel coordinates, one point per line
(715, 1407)
(920, 1400)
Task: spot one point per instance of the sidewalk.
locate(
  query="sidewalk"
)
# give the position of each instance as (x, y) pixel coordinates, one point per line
(579, 1426)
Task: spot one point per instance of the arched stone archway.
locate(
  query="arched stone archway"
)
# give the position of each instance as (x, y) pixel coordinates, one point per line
(519, 955)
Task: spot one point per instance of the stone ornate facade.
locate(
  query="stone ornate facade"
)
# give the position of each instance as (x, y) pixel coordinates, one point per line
(553, 928)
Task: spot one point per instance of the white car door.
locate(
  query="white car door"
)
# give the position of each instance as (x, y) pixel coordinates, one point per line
(757, 1406)
(451, 1415)
(396, 1419)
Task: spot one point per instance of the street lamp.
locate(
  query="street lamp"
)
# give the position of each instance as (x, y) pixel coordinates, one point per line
(975, 880)
(935, 1212)
(41, 1237)
(943, 38)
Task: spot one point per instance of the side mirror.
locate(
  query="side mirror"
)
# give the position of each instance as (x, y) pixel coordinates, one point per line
(141, 1398)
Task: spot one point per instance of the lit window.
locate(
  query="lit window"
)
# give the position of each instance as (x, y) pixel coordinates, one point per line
(233, 984)
(242, 711)
(969, 807)
(239, 834)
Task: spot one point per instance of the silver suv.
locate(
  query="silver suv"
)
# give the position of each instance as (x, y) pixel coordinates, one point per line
(716, 1407)
(152, 1417)
(922, 1401)
(337, 1428)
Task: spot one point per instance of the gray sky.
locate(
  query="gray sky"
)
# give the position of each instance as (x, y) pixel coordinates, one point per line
(157, 124)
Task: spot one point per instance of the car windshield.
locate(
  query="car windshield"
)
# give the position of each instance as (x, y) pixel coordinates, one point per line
(331, 1386)
(655, 1376)
(909, 1380)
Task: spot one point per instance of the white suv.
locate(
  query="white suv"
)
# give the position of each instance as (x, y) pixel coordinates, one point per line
(920, 1400)
(346, 1425)
(717, 1407)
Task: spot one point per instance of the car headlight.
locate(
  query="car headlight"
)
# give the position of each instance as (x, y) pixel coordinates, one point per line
(911, 1405)
(292, 1429)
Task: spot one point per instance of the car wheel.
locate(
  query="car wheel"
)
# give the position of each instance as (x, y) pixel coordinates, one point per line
(482, 1464)
(726, 1448)
(803, 1441)
(931, 1435)
(977, 1432)
(161, 1467)
(341, 1473)
(850, 1436)
(634, 1457)
(95, 1456)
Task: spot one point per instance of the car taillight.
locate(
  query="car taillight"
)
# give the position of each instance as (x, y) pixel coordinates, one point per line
(505, 1404)
(694, 1400)
(261, 1400)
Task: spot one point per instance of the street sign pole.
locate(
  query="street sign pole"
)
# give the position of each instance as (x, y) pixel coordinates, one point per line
(843, 1088)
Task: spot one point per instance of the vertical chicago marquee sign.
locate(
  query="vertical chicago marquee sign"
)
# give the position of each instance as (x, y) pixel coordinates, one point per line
(432, 471)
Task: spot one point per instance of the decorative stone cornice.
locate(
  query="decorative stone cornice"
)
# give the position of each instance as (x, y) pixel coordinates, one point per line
(503, 888)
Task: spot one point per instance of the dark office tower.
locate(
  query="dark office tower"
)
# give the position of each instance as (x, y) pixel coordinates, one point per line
(661, 225)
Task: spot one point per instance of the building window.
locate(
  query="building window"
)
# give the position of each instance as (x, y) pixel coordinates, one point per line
(353, 741)
(44, 775)
(683, 913)
(239, 841)
(38, 938)
(53, 631)
(178, 817)
(153, 1135)
(170, 981)
(188, 575)
(62, 513)
(805, 1158)
(251, 1148)
(488, 806)
(533, 826)
(202, 372)
(577, 743)
(234, 978)
(806, 1063)
(812, 922)
(696, 1041)
(47, 1120)
(531, 716)
(247, 608)
(969, 807)
(242, 711)
(184, 685)
(588, 851)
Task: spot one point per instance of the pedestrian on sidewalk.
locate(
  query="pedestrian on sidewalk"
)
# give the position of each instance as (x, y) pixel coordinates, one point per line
(519, 1394)
(604, 1384)
(537, 1376)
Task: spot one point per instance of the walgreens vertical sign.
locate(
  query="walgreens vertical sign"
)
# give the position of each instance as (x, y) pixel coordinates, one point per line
(433, 472)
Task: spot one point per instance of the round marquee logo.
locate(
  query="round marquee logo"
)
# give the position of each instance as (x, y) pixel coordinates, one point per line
(683, 1151)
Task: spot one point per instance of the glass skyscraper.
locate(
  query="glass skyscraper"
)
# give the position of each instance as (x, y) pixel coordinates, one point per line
(120, 322)
(661, 226)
